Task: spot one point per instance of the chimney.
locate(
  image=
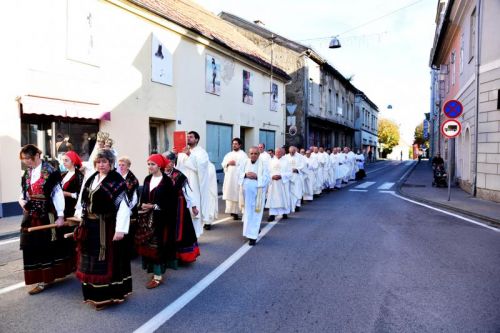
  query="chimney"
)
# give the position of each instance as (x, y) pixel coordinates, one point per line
(259, 23)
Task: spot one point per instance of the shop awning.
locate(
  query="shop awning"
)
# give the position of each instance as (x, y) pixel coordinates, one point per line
(62, 108)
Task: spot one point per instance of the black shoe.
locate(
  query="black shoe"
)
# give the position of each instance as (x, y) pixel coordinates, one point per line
(270, 218)
(297, 209)
(235, 217)
(285, 216)
(207, 227)
(252, 242)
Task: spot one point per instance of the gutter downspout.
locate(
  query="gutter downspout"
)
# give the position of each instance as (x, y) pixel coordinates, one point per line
(478, 64)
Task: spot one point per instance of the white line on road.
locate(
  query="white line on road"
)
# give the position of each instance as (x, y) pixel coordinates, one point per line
(365, 185)
(12, 287)
(174, 307)
(8, 241)
(222, 220)
(406, 173)
(444, 212)
(354, 190)
(385, 186)
(384, 167)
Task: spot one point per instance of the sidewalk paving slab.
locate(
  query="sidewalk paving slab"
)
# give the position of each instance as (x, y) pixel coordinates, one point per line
(418, 186)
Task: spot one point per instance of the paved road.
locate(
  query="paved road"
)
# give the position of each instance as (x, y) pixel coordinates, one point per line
(356, 260)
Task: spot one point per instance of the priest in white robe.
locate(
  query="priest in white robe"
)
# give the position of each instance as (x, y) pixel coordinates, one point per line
(263, 154)
(309, 178)
(230, 188)
(278, 194)
(318, 185)
(253, 180)
(297, 164)
(194, 163)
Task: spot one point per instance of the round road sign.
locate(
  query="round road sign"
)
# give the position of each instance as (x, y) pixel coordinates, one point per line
(453, 108)
(451, 128)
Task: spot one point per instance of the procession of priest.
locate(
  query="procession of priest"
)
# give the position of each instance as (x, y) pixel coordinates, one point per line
(95, 207)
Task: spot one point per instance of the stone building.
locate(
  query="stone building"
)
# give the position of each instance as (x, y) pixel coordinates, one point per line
(366, 124)
(319, 100)
(465, 60)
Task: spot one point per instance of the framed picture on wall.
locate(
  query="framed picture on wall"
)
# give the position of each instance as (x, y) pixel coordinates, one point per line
(212, 75)
(274, 97)
(247, 87)
(161, 62)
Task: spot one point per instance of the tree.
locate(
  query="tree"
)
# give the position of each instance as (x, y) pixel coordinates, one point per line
(419, 136)
(388, 135)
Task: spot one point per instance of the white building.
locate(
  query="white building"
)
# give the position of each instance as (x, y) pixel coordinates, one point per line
(139, 70)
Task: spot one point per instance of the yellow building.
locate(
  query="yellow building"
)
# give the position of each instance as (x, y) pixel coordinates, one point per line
(139, 70)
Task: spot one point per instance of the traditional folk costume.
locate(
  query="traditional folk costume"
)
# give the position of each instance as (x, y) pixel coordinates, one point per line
(253, 196)
(278, 194)
(158, 252)
(230, 187)
(296, 183)
(45, 258)
(132, 184)
(201, 178)
(103, 265)
(186, 243)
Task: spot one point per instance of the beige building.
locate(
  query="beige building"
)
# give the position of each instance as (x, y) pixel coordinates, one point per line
(465, 59)
(139, 70)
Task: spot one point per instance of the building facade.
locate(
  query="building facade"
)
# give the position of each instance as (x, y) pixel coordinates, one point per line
(139, 70)
(465, 59)
(320, 101)
(366, 124)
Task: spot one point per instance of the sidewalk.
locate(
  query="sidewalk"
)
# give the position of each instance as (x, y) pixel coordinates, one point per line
(418, 186)
(10, 226)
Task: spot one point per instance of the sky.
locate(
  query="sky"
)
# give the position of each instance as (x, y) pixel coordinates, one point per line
(387, 57)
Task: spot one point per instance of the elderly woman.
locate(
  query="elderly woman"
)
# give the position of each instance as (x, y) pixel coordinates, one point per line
(124, 164)
(158, 202)
(42, 201)
(103, 261)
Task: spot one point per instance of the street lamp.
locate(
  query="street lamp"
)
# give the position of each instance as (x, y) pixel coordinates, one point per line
(334, 43)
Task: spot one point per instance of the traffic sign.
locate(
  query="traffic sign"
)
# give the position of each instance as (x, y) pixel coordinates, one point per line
(451, 128)
(453, 108)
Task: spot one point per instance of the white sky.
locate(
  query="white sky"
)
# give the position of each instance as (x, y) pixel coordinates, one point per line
(388, 58)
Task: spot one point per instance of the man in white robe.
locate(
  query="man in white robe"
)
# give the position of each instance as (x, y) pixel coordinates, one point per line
(296, 183)
(194, 163)
(309, 175)
(230, 188)
(336, 169)
(253, 179)
(318, 185)
(325, 161)
(278, 194)
(344, 166)
(263, 154)
(351, 157)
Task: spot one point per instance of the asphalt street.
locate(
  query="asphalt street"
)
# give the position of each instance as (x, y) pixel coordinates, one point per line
(356, 260)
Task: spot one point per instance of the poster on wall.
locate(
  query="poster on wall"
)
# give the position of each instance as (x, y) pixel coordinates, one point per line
(81, 32)
(212, 75)
(161, 62)
(247, 87)
(274, 97)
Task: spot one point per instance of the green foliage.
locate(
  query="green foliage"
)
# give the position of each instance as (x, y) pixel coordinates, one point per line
(419, 136)
(388, 134)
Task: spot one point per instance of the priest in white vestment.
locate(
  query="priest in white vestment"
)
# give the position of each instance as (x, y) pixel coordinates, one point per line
(318, 185)
(325, 161)
(351, 157)
(263, 154)
(253, 180)
(230, 188)
(297, 164)
(194, 163)
(309, 178)
(278, 194)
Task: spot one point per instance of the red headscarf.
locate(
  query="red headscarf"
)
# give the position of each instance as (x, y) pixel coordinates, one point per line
(159, 160)
(77, 162)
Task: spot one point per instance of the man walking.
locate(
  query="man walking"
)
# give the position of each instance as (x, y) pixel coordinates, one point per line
(230, 188)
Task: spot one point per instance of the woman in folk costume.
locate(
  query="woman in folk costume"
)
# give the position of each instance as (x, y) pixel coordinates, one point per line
(103, 259)
(186, 243)
(71, 181)
(158, 203)
(42, 201)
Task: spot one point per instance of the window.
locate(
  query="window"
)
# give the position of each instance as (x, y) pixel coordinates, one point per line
(320, 96)
(330, 102)
(343, 107)
(338, 107)
(56, 135)
(472, 36)
(453, 68)
(462, 55)
(311, 91)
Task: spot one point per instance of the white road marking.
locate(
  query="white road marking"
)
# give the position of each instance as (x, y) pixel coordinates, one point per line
(12, 287)
(406, 173)
(381, 168)
(354, 190)
(444, 212)
(163, 316)
(8, 241)
(365, 185)
(385, 186)
(222, 220)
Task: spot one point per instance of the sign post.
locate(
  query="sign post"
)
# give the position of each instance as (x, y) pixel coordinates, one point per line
(451, 128)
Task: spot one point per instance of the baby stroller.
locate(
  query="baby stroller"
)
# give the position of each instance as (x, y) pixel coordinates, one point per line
(440, 176)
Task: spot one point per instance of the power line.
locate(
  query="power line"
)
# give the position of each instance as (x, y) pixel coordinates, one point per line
(366, 23)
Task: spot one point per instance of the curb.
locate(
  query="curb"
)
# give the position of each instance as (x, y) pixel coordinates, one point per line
(8, 235)
(495, 223)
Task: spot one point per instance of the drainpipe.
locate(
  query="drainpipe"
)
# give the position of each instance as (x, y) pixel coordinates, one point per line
(478, 64)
